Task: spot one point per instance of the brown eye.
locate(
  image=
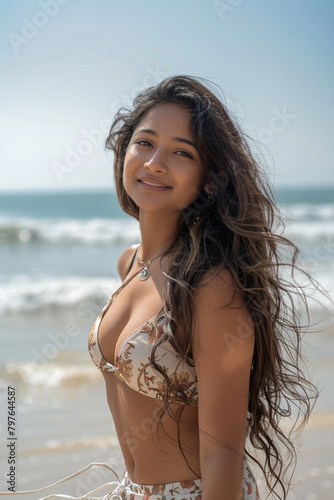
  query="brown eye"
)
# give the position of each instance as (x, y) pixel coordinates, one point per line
(143, 142)
(185, 154)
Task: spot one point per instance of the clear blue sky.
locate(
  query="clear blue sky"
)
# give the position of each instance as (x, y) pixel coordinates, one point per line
(67, 64)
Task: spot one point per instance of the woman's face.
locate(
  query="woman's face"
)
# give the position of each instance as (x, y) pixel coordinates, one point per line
(162, 169)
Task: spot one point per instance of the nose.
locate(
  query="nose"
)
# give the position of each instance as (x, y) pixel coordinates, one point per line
(156, 162)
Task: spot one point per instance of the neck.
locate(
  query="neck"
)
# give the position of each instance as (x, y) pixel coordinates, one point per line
(157, 232)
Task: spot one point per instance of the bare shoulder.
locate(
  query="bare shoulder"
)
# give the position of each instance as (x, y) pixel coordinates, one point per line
(221, 317)
(124, 261)
(217, 289)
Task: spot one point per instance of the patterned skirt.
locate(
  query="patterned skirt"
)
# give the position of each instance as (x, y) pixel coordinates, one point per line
(125, 489)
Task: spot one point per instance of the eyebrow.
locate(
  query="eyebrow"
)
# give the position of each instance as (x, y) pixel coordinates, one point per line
(178, 139)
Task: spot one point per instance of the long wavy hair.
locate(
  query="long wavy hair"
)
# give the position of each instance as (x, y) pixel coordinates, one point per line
(238, 232)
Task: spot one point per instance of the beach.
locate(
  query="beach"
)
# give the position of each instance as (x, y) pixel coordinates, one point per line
(59, 270)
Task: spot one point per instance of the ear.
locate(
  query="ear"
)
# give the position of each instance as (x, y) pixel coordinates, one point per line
(208, 188)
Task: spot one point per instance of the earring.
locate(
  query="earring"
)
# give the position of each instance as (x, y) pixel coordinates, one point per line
(210, 198)
(196, 220)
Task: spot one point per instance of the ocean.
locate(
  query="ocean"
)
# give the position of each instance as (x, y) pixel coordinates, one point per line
(58, 255)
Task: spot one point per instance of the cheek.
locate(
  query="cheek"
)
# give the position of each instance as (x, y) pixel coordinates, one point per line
(190, 190)
(129, 165)
(195, 184)
(126, 173)
(132, 161)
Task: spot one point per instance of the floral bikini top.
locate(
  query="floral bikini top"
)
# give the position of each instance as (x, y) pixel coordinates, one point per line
(133, 364)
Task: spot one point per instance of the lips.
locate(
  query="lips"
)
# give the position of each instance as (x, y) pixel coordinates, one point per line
(153, 182)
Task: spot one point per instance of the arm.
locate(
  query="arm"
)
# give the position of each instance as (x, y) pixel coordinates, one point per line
(223, 347)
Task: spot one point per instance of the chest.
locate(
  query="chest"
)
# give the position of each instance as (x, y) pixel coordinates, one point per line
(126, 313)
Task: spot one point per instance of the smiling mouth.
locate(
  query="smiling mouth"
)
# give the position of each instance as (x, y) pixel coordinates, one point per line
(153, 184)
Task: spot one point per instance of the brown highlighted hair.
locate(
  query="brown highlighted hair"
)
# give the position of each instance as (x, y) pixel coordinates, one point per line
(238, 232)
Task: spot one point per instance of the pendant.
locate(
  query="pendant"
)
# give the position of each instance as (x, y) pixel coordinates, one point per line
(144, 274)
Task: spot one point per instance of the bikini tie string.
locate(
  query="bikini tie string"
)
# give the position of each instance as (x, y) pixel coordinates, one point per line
(116, 494)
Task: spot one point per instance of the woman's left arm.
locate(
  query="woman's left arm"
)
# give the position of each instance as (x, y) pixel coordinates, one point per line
(223, 345)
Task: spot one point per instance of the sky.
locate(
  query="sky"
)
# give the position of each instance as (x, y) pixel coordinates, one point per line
(68, 65)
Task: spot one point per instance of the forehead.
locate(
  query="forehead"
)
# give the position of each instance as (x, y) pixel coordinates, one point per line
(167, 116)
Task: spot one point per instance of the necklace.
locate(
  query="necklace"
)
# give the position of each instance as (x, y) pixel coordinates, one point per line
(145, 273)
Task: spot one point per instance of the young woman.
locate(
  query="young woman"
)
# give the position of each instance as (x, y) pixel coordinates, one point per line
(215, 363)
(200, 346)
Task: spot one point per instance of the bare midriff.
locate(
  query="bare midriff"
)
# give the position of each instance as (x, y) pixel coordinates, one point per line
(151, 452)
